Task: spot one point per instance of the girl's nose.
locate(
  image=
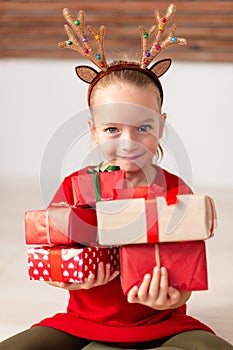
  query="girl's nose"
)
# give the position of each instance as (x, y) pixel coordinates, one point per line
(128, 142)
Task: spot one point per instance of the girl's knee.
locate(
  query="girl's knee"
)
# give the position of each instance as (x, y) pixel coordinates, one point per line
(25, 340)
(45, 338)
(209, 341)
(198, 340)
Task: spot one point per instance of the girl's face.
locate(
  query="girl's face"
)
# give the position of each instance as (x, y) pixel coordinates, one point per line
(126, 126)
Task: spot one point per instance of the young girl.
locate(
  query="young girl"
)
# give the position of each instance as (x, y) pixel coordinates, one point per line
(153, 315)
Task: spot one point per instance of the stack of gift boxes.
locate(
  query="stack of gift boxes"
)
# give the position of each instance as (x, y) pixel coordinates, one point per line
(62, 239)
(132, 229)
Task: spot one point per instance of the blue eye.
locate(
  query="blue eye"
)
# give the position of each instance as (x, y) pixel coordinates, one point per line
(144, 128)
(111, 130)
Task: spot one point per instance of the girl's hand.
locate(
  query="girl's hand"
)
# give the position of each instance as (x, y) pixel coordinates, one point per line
(155, 292)
(103, 276)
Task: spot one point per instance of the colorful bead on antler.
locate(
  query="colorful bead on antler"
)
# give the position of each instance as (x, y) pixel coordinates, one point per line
(150, 51)
(78, 40)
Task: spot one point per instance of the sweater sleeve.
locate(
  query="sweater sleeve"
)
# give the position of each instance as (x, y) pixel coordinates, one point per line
(174, 183)
(64, 192)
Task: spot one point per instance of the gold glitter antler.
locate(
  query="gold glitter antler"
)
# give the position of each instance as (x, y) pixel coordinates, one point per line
(78, 40)
(148, 53)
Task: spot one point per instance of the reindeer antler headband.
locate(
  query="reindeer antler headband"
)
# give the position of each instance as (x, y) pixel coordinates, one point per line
(151, 45)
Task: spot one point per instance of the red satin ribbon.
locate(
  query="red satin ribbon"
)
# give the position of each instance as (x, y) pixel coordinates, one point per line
(138, 192)
(212, 215)
(171, 197)
(152, 221)
(55, 260)
(151, 193)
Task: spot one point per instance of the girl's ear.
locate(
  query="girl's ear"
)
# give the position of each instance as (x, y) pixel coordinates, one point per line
(90, 124)
(86, 73)
(92, 129)
(162, 124)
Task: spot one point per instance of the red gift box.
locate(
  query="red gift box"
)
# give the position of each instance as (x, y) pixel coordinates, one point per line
(151, 192)
(85, 189)
(61, 224)
(73, 264)
(146, 192)
(185, 262)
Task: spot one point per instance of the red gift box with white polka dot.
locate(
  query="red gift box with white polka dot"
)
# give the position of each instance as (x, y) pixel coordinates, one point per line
(69, 264)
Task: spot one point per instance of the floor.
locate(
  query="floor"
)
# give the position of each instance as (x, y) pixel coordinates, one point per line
(24, 302)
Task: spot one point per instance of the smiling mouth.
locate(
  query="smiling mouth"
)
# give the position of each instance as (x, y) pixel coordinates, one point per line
(129, 157)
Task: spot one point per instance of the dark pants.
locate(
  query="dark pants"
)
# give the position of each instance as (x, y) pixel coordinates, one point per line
(46, 338)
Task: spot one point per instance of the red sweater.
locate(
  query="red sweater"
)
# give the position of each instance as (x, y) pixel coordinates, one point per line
(102, 313)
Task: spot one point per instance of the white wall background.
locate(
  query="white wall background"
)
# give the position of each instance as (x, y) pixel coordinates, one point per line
(38, 96)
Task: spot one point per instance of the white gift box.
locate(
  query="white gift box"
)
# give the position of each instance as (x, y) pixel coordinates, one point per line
(139, 220)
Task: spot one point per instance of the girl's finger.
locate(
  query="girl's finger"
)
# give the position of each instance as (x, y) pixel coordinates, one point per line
(63, 285)
(132, 295)
(155, 283)
(114, 275)
(144, 288)
(163, 288)
(100, 274)
(107, 273)
(174, 295)
(89, 281)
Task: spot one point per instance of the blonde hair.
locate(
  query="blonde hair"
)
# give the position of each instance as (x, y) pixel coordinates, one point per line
(130, 76)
